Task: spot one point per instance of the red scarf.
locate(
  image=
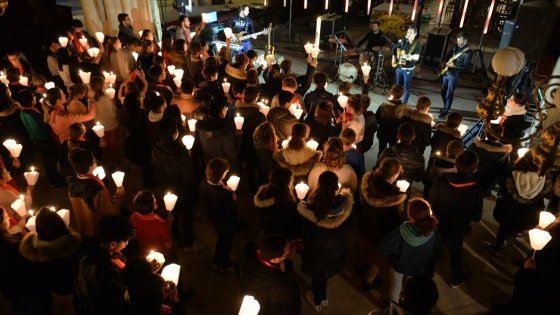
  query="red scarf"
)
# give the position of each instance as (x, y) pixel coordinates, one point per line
(266, 263)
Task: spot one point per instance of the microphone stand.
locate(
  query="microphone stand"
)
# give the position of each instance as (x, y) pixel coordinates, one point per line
(338, 60)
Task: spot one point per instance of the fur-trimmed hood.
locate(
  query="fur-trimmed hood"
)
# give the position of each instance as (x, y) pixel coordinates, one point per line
(454, 132)
(330, 222)
(512, 189)
(415, 115)
(300, 162)
(392, 111)
(390, 197)
(235, 73)
(501, 148)
(10, 109)
(36, 250)
(263, 203)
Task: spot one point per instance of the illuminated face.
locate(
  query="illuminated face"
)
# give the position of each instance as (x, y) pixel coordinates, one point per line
(14, 60)
(186, 23)
(127, 21)
(461, 41)
(375, 27)
(117, 44)
(246, 11)
(411, 34)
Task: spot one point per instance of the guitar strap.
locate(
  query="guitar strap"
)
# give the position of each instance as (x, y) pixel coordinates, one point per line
(412, 47)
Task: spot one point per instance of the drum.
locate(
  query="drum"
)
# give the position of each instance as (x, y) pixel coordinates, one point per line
(352, 55)
(348, 72)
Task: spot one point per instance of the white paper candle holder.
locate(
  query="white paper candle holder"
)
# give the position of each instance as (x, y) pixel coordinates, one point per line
(239, 120)
(170, 200)
(31, 177)
(403, 185)
(99, 130)
(100, 37)
(171, 273)
(301, 190)
(118, 178)
(188, 141)
(233, 182)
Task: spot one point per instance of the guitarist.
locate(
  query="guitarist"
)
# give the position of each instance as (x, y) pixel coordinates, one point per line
(405, 56)
(243, 23)
(458, 60)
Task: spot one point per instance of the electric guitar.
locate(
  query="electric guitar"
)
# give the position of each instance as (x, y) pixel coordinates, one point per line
(453, 58)
(242, 36)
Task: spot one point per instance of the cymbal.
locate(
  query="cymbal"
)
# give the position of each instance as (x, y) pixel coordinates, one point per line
(384, 50)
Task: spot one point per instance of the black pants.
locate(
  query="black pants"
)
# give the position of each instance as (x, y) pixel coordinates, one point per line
(50, 161)
(319, 289)
(455, 247)
(184, 220)
(223, 244)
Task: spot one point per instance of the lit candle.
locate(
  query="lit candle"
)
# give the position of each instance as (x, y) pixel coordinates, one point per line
(63, 40)
(342, 100)
(110, 91)
(440, 11)
(315, 51)
(366, 70)
(99, 172)
(177, 82)
(462, 129)
(249, 306)
(19, 206)
(228, 32)
(157, 256)
(14, 147)
(239, 120)
(31, 212)
(83, 41)
(312, 144)
(99, 130)
(346, 6)
(521, 152)
(545, 219)
(438, 153)
(112, 78)
(3, 78)
(233, 182)
(188, 141)
(64, 214)
(84, 76)
(538, 239)
(285, 143)
(263, 108)
(170, 199)
(31, 176)
(23, 80)
(118, 178)
(301, 190)
(100, 37)
(179, 73)
(171, 69)
(30, 224)
(225, 86)
(464, 14)
(308, 48)
(183, 118)
(140, 33)
(403, 185)
(135, 56)
(171, 273)
(93, 52)
(192, 124)
(49, 85)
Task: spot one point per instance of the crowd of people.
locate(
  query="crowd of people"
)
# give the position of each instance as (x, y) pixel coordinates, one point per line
(291, 133)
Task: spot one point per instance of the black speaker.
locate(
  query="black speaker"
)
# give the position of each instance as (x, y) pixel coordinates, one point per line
(534, 25)
(507, 31)
(434, 52)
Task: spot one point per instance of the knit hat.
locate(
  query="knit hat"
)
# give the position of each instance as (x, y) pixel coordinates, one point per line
(49, 225)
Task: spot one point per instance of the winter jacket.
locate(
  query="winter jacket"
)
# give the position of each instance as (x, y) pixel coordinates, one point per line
(438, 166)
(164, 90)
(253, 118)
(217, 140)
(173, 166)
(493, 161)
(265, 162)
(282, 120)
(382, 207)
(53, 264)
(389, 119)
(355, 159)
(279, 216)
(325, 240)
(322, 133)
(422, 123)
(277, 291)
(346, 176)
(218, 203)
(442, 136)
(456, 200)
(213, 88)
(300, 162)
(136, 142)
(314, 98)
(410, 252)
(520, 200)
(409, 157)
(194, 68)
(513, 122)
(234, 75)
(369, 132)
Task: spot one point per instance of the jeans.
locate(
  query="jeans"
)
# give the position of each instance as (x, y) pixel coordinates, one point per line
(450, 82)
(404, 77)
(455, 247)
(319, 289)
(247, 46)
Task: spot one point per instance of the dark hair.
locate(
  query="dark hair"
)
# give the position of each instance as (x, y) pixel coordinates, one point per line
(97, 84)
(388, 168)
(526, 164)
(286, 65)
(520, 98)
(396, 91)
(278, 187)
(179, 45)
(323, 197)
(320, 79)
(454, 147)
(300, 132)
(216, 107)
(215, 169)
(114, 228)
(423, 103)
(462, 35)
(251, 54)
(252, 77)
(375, 22)
(143, 202)
(466, 162)
(453, 120)
(77, 89)
(195, 48)
(154, 102)
(273, 246)
(145, 288)
(25, 97)
(187, 86)
(334, 156)
(237, 87)
(121, 17)
(251, 94)
(76, 23)
(75, 132)
(155, 72)
(289, 82)
(181, 18)
(354, 102)
(406, 133)
(323, 113)
(348, 136)
(497, 131)
(240, 60)
(168, 128)
(365, 101)
(53, 95)
(208, 71)
(133, 41)
(344, 87)
(81, 160)
(12, 75)
(420, 215)
(419, 295)
(49, 225)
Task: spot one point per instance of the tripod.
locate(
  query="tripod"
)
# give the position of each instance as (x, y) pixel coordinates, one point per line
(380, 78)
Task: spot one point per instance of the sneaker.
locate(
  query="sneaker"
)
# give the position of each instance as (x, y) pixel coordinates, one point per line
(324, 303)
(311, 301)
(195, 248)
(457, 284)
(375, 284)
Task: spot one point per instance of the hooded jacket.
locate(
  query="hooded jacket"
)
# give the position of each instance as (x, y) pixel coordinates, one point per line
(325, 240)
(217, 140)
(346, 176)
(389, 119)
(282, 120)
(410, 252)
(314, 98)
(173, 166)
(299, 161)
(234, 74)
(409, 157)
(382, 207)
(442, 136)
(279, 216)
(422, 123)
(277, 291)
(493, 161)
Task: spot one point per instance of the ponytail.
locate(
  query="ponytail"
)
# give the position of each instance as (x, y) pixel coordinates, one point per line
(420, 215)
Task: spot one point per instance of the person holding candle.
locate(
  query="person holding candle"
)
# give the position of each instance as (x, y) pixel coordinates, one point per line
(210, 83)
(155, 104)
(16, 60)
(408, 155)
(297, 156)
(321, 128)
(75, 105)
(146, 56)
(281, 117)
(456, 200)
(14, 82)
(157, 76)
(441, 163)
(458, 61)
(389, 118)
(422, 121)
(235, 72)
(76, 140)
(220, 203)
(126, 31)
(446, 132)
(325, 224)
(266, 144)
(353, 117)
(413, 247)
(352, 156)
(9, 193)
(186, 99)
(520, 200)
(289, 84)
(317, 96)
(12, 126)
(334, 160)
(88, 195)
(277, 204)
(58, 118)
(174, 171)
(107, 116)
(124, 62)
(494, 157)
(100, 288)
(152, 232)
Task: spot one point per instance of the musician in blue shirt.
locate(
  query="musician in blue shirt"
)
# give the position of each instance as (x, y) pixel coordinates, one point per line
(243, 23)
(458, 60)
(405, 56)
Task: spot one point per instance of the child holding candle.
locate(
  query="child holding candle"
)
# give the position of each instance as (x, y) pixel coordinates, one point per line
(352, 156)
(408, 155)
(389, 119)
(220, 204)
(88, 195)
(297, 156)
(9, 193)
(446, 132)
(442, 162)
